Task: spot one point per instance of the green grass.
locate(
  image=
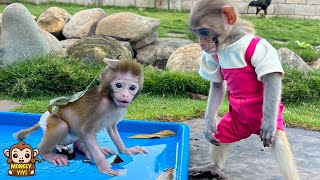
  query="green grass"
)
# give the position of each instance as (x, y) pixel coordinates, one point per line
(179, 108)
(304, 115)
(289, 31)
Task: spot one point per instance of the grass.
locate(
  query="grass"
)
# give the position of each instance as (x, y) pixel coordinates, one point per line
(303, 115)
(178, 108)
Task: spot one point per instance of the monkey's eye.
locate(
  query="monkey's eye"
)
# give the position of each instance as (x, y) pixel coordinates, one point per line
(15, 155)
(204, 32)
(119, 85)
(27, 155)
(132, 88)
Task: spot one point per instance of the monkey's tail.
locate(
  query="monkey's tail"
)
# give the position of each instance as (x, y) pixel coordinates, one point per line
(283, 155)
(26, 132)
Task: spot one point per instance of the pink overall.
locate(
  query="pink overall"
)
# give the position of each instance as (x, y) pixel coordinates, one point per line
(245, 102)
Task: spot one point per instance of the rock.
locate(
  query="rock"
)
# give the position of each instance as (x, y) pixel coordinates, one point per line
(54, 43)
(316, 65)
(94, 48)
(292, 60)
(22, 37)
(83, 23)
(127, 26)
(318, 48)
(185, 59)
(158, 53)
(53, 21)
(128, 46)
(68, 42)
(146, 41)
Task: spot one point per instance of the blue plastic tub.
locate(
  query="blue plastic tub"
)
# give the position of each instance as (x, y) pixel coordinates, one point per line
(164, 152)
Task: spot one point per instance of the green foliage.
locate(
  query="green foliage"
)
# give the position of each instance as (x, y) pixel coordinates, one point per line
(300, 87)
(174, 83)
(304, 45)
(50, 75)
(288, 31)
(46, 75)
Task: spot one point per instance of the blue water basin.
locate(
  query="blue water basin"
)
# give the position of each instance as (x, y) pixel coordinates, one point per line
(169, 152)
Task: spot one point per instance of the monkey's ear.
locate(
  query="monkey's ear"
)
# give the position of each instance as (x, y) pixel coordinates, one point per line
(229, 14)
(111, 62)
(35, 152)
(6, 152)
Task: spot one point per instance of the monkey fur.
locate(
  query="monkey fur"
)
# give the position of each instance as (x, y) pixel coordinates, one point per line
(219, 29)
(99, 108)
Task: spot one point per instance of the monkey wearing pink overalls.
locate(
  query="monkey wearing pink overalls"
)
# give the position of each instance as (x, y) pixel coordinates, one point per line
(249, 66)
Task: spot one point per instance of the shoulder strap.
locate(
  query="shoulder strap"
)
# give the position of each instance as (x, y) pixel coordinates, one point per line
(251, 48)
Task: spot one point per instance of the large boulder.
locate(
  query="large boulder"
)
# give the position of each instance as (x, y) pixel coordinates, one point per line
(53, 21)
(158, 53)
(66, 43)
(54, 43)
(186, 58)
(83, 23)
(144, 42)
(94, 49)
(292, 60)
(128, 26)
(22, 37)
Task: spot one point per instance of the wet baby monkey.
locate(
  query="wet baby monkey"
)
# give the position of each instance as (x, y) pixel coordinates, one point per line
(101, 107)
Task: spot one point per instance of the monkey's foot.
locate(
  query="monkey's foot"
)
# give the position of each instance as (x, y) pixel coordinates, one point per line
(208, 171)
(56, 159)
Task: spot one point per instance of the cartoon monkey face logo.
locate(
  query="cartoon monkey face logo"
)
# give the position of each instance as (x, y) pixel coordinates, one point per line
(22, 159)
(22, 156)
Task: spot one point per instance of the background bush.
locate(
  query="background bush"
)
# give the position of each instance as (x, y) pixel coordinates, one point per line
(300, 87)
(46, 75)
(50, 75)
(174, 83)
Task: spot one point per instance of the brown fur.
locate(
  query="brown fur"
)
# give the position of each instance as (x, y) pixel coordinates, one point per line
(26, 132)
(100, 107)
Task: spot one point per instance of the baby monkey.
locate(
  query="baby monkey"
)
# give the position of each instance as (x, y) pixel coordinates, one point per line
(101, 107)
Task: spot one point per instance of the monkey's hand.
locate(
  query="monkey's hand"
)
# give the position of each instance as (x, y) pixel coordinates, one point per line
(209, 130)
(105, 168)
(267, 132)
(134, 150)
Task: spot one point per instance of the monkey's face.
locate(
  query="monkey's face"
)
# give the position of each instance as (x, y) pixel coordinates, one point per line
(124, 87)
(208, 39)
(21, 156)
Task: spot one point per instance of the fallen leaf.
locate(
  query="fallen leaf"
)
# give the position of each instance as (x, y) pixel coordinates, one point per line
(161, 134)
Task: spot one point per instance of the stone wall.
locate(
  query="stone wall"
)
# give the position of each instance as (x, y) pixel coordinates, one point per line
(285, 8)
(309, 9)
